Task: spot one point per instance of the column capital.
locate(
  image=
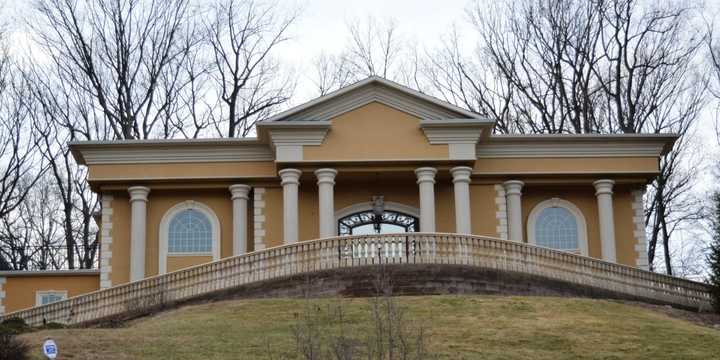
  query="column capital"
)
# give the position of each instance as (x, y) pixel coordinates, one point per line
(290, 176)
(461, 174)
(603, 186)
(513, 187)
(239, 191)
(425, 174)
(138, 193)
(326, 176)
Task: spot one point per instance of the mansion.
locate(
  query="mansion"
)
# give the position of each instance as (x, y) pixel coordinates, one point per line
(373, 157)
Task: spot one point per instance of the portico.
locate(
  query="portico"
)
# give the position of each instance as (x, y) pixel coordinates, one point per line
(372, 157)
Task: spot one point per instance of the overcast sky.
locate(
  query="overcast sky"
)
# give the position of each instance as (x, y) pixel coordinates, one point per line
(323, 24)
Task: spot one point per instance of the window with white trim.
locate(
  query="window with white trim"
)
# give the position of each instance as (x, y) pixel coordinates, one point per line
(49, 297)
(190, 231)
(556, 228)
(558, 224)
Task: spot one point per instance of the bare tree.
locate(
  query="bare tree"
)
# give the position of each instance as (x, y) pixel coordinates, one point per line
(118, 52)
(331, 73)
(31, 236)
(713, 54)
(567, 66)
(242, 36)
(63, 114)
(18, 162)
(374, 48)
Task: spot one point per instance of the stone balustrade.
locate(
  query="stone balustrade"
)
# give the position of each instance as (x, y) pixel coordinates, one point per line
(366, 250)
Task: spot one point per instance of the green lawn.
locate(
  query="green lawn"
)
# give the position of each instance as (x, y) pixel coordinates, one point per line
(457, 327)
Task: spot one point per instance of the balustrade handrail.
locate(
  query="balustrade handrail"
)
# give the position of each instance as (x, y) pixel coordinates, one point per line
(361, 250)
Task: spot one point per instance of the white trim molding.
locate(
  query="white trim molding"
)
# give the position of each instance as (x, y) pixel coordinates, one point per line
(641, 261)
(501, 212)
(461, 135)
(170, 151)
(259, 218)
(3, 280)
(567, 205)
(288, 138)
(373, 89)
(367, 206)
(164, 230)
(569, 146)
(106, 241)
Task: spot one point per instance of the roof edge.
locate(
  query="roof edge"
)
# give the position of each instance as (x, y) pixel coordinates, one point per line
(29, 273)
(369, 80)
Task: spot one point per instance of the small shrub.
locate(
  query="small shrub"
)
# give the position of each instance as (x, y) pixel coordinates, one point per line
(13, 326)
(12, 348)
(52, 326)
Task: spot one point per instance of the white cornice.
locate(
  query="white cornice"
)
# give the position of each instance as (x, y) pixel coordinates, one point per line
(596, 145)
(296, 133)
(78, 272)
(454, 131)
(461, 135)
(289, 137)
(170, 151)
(373, 89)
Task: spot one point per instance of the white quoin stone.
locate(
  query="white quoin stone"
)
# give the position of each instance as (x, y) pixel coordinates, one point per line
(290, 181)
(138, 219)
(426, 185)
(513, 194)
(326, 200)
(461, 187)
(603, 192)
(240, 195)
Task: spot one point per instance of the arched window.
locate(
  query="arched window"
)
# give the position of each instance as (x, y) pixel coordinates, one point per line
(190, 231)
(558, 224)
(364, 222)
(189, 228)
(360, 218)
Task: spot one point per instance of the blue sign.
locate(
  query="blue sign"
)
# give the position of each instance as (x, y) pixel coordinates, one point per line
(50, 349)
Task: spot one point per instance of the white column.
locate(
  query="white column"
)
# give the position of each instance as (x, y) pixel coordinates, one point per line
(239, 195)
(290, 182)
(603, 192)
(513, 194)
(426, 184)
(326, 200)
(138, 215)
(461, 183)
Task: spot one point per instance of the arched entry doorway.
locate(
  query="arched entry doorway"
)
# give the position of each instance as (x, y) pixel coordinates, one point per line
(377, 217)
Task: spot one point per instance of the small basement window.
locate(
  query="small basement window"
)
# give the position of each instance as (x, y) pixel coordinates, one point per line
(49, 297)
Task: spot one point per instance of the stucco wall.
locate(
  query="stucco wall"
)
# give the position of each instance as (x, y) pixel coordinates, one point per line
(159, 202)
(482, 209)
(373, 132)
(573, 165)
(211, 170)
(349, 192)
(583, 196)
(20, 291)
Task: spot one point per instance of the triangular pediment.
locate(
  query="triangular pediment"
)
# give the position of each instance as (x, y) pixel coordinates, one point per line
(374, 89)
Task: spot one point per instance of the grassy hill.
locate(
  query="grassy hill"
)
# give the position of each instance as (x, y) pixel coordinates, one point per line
(455, 327)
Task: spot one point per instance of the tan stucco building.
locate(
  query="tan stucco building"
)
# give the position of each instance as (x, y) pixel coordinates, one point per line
(374, 156)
